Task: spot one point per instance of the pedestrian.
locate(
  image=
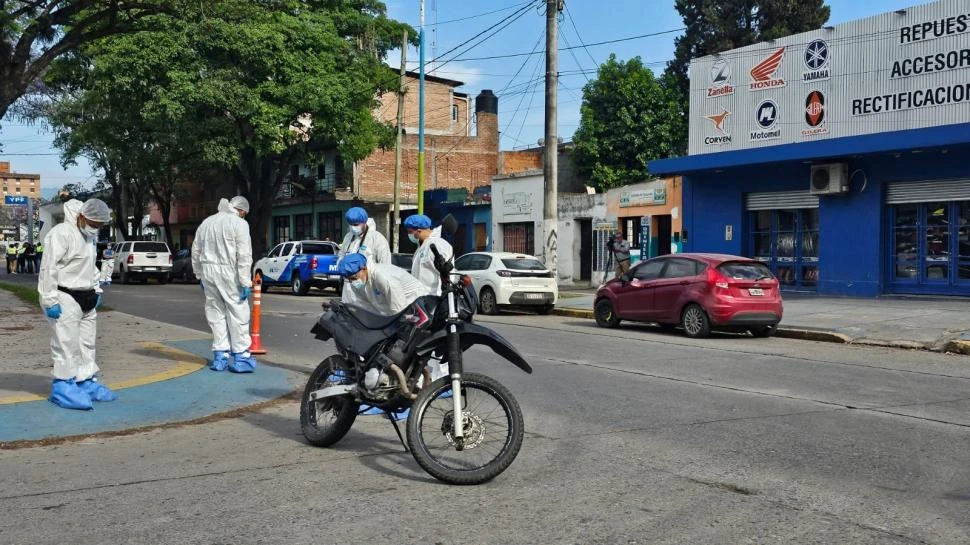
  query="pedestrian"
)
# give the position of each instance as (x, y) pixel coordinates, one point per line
(107, 264)
(70, 295)
(422, 266)
(363, 238)
(222, 256)
(620, 249)
(21, 257)
(11, 258)
(29, 257)
(38, 255)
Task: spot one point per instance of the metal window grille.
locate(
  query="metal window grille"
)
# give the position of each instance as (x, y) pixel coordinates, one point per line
(518, 238)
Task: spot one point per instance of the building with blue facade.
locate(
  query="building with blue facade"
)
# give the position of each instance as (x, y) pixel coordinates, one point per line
(840, 157)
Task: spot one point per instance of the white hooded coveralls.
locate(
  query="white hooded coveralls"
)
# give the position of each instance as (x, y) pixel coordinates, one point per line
(422, 267)
(68, 261)
(389, 290)
(374, 247)
(222, 256)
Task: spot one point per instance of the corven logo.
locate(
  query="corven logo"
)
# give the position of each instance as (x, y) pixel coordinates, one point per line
(719, 121)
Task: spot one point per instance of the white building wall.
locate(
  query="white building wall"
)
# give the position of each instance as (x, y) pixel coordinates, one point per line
(574, 208)
(517, 199)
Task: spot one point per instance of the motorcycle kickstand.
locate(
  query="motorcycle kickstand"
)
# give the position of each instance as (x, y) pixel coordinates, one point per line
(398, 430)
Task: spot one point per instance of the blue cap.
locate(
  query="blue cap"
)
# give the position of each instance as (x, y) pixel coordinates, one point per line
(351, 264)
(418, 221)
(356, 215)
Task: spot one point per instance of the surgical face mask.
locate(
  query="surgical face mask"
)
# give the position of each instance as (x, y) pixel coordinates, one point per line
(356, 229)
(412, 238)
(90, 231)
(357, 284)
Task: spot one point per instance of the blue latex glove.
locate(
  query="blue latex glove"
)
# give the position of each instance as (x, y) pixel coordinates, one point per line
(98, 303)
(244, 293)
(53, 312)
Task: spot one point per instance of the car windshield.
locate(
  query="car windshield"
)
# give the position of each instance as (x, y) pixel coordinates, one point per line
(522, 263)
(317, 248)
(745, 270)
(159, 247)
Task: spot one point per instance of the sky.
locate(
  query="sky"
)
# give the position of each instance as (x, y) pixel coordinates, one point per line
(516, 80)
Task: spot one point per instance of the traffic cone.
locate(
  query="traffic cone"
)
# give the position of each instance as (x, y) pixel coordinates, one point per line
(257, 344)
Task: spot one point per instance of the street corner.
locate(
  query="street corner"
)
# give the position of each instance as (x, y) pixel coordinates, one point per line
(183, 393)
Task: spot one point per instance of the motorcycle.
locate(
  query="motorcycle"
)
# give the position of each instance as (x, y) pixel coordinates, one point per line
(464, 428)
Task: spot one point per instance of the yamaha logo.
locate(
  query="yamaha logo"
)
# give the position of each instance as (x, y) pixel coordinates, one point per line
(815, 114)
(766, 115)
(816, 60)
(720, 79)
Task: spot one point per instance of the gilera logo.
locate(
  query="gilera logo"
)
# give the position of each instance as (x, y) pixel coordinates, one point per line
(719, 121)
(720, 79)
(763, 73)
(767, 116)
(816, 60)
(815, 114)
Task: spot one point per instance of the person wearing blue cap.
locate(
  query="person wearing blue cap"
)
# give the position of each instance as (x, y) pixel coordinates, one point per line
(422, 267)
(363, 238)
(380, 288)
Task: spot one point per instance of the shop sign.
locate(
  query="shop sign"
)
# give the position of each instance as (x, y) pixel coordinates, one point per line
(720, 80)
(719, 121)
(643, 197)
(817, 61)
(815, 114)
(517, 204)
(766, 115)
(763, 73)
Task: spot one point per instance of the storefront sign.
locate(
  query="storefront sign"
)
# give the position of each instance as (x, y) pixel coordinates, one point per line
(516, 204)
(643, 197)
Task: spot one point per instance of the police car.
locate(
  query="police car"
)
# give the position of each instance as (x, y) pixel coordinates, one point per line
(300, 264)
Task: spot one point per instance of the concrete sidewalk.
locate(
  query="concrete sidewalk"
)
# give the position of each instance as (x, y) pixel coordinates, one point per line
(158, 370)
(925, 323)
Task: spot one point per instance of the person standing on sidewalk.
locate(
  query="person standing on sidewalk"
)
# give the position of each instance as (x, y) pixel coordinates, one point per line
(11, 258)
(222, 256)
(21, 257)
(38, 255)
(70, 294)
(422, 266)
(30, 256)
(620, 249)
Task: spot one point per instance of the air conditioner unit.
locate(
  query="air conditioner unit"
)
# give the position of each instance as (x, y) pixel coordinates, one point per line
(829, 179)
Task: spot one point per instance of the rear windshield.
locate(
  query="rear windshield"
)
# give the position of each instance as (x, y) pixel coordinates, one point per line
(523, 264)
(311, 248)
(158, 247)
(747, 270)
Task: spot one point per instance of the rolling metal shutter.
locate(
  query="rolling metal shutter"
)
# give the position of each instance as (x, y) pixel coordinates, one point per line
(780, 200)
(928, 191)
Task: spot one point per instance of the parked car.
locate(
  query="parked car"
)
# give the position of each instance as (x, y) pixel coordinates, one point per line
(301, 264)
(182, 266)
(403, 260)
(141, 260)
(697, 292)
(504, 279)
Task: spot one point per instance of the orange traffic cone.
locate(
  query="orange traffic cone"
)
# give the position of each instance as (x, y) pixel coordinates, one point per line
(257, 344)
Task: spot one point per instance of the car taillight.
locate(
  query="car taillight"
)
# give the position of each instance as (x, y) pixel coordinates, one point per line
(169, 259)
(313, 264)
(717, 279)
(131, 259)
(504, 274)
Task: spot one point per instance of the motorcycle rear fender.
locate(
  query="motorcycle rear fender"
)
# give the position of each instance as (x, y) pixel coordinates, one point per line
(472, 334)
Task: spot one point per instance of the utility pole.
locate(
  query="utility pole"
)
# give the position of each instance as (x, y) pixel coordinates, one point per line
(396, 226)
(421, 110)
(550, 166)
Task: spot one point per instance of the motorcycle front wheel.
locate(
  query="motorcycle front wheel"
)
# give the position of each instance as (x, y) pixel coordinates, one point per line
(493, 430)
(327, 420)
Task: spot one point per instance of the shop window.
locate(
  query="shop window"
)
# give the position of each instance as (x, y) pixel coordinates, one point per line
(329, 225)
(519, 238)
(788, 242)
(303, 226)
(630, 228)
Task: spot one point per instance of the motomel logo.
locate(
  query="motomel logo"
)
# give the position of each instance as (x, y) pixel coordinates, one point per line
(719, 121)
(763, 73)
(767, 116)
(815, 114)
(816, 60)
(720, 79)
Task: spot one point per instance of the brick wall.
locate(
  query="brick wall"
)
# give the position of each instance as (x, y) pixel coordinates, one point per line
(520, 161)
(438, 101)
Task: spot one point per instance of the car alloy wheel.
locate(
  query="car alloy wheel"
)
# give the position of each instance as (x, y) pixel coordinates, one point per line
(695, 322)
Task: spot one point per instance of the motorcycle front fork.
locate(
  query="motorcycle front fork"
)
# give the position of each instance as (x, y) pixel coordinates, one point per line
(455, 371)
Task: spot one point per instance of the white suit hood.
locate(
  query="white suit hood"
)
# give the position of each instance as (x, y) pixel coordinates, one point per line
(69, 259)
(72, 209)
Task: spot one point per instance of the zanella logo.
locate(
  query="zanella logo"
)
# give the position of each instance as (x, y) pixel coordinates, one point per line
(763, 73)
(816, 60)
(719, 121)
(720, 79)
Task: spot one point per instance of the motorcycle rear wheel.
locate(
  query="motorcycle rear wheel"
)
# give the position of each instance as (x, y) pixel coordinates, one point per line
(493, 433)
(326, 421)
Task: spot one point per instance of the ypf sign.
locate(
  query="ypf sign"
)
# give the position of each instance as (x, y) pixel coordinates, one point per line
(15, 200)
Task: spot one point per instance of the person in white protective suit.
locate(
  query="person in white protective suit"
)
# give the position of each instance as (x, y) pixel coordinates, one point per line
(381, 288)
(222, 256)
(70, 294)
(363, 238)
(422, 267)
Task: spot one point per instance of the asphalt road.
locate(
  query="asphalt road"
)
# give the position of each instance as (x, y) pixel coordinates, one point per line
(633, 436)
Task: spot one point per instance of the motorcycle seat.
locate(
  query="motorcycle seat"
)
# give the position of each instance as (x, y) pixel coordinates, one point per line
(371, 320)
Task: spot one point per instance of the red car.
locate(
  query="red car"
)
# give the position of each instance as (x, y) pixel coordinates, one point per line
(698, 292)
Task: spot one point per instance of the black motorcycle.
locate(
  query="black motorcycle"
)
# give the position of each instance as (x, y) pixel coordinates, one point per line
(464, 428)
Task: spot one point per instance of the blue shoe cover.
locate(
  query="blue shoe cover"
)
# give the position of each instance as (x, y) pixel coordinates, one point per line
(367, 410)
(66, 394)
(242, 363)
(446, 394)
(397, 417)
(220, 361)
(97, 391)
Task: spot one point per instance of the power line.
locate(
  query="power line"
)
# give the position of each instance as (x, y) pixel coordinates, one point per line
(482, 14)
(651, 35)
(573, 23)
(506, 21)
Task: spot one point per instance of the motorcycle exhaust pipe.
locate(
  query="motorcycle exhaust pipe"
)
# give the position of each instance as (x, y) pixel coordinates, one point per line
(403, 381)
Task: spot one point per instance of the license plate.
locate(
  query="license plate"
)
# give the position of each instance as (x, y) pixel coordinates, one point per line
(534, 296)
(756, 291)
(150, 269)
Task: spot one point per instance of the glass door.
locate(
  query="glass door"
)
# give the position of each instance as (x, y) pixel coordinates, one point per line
(788, 242)
(930, 247)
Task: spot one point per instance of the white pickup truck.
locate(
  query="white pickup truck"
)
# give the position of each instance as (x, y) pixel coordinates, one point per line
(141, 260)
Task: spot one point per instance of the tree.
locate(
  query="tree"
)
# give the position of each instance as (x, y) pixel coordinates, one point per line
(719, 25)
(35, 32)
(628, 117)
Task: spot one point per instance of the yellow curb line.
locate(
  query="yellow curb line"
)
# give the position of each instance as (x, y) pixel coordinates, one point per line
(183, 366)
